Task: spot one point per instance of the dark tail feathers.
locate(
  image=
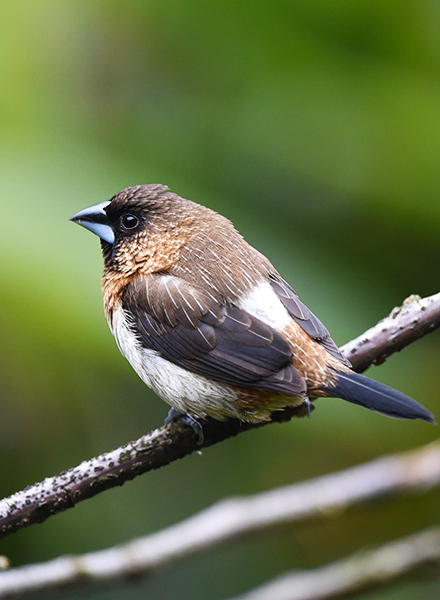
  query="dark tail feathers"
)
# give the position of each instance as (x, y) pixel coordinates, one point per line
(376, 396)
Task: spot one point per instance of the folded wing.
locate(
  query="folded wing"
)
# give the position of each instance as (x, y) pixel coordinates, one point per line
(191, 329)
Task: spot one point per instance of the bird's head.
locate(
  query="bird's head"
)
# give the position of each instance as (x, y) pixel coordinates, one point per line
(142, 228)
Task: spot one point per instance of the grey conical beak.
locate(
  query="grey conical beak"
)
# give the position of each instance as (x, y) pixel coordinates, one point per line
(94, 218)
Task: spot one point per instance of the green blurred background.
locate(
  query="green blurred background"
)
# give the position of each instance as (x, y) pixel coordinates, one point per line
(315, 127)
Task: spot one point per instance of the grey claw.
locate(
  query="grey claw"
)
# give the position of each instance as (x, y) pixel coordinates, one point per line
(307, 403)
(196, 426)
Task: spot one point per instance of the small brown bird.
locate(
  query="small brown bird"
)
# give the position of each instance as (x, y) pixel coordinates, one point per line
(208, 323)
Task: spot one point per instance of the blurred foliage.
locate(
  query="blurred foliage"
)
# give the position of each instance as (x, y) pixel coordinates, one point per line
(315, 127)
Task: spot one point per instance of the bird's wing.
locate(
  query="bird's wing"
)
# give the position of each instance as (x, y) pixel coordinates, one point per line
(191, 329)
(305, 318)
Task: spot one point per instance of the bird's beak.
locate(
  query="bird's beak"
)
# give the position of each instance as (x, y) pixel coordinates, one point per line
(95, 220)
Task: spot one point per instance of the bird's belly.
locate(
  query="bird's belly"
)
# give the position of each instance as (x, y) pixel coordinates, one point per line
(185, 391)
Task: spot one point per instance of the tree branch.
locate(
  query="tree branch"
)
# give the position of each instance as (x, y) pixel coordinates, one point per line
(359, 573)
(405, 324)
(233, 518)
(36, 503)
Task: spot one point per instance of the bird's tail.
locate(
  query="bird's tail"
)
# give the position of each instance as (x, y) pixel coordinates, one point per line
(376, 396)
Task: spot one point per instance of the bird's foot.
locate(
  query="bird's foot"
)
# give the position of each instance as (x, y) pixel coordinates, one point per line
(196, 426)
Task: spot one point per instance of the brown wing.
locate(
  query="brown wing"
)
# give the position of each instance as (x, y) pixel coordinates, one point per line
(191, 329)
(305, 318)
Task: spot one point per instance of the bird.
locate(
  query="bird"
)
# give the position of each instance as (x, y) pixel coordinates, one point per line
(207, 321)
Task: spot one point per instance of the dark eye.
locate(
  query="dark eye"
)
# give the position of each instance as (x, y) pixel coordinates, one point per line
(129, 222)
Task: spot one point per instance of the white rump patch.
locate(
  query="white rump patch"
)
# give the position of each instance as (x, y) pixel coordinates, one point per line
(263, 303)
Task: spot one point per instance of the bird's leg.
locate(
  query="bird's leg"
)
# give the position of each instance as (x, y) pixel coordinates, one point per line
(196, 426)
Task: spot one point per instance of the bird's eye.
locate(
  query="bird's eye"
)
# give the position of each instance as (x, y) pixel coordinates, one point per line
(129, 222)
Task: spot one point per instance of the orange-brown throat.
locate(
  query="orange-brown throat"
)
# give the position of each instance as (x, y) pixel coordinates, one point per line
(146, 253)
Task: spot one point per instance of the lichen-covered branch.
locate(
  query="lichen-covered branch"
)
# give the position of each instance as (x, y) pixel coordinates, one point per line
(406, 324)
(362, 572)
(35, 504)
(230, 519)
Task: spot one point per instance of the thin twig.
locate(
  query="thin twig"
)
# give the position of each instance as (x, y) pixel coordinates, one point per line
(359, 573)
(35, 504)
(385, 477)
